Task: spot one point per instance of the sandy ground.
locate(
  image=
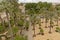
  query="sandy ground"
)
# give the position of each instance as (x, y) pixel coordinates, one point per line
(53, 36)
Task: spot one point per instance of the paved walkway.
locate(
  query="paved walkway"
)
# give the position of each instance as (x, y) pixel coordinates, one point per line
(29, 33)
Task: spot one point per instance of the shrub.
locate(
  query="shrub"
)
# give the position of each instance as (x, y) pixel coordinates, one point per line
(41, 31)
(20, 23)
(27, 25)
(6, 24)
(1, 28)
(15, 29)
(57, 29)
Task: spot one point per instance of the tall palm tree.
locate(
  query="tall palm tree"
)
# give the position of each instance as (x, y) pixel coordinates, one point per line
(30, 8)
(33, 24)
(9, 7)
(2, 20)
(39, 21)
(45, 14)
(51, 16)
(57, 15)
(20, 24)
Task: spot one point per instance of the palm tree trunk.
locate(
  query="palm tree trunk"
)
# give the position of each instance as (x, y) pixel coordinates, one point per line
(40, 24)
(2, 21)
(34, 34)
(33, 26)
(50, 29)
(50, 25)
(21, 31)
(10, 28)
(34, 30)
(57, 22)
(15, 19)
(57, 19)
(46, 23)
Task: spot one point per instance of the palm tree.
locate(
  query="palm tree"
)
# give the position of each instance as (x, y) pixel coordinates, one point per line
(9, 7)
(51, 16)
(31, 11)
(57, 11)
(57, 15)
(9, 24)
(2, 21)
(39, 11)
(39, 21)
(20, 24)
(45, 13)
(27, 25)
(46, 18)
(33, 24)
(50, 25)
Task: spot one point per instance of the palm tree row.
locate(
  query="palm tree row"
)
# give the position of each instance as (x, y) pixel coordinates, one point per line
(34, 12)
(15, 19)
(47, 11)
